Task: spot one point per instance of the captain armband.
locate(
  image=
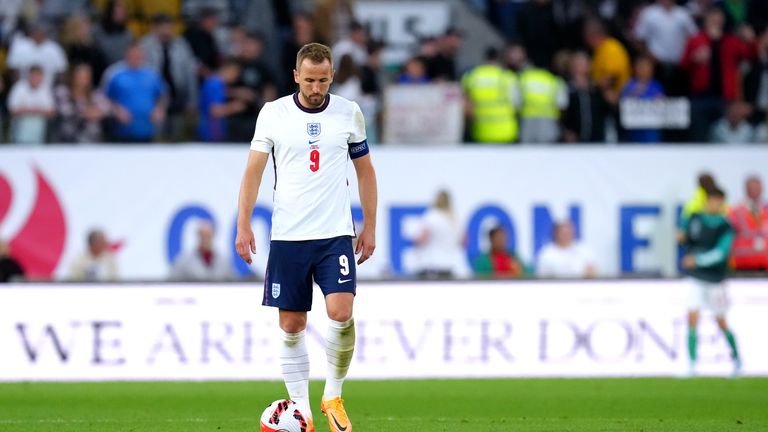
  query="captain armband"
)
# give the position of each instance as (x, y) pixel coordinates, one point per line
(357, 150)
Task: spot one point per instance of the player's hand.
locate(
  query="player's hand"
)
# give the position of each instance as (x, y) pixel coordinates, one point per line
(366, 243)
(689, 262)
(245, 244)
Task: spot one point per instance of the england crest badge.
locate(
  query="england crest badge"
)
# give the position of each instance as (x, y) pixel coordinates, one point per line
(275, 290)
(313, 129)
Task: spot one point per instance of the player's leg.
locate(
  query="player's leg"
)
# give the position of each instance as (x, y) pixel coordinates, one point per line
(731, 339)
(339, 341)
(693, 338)
(336, 275)
(719, 303)
(696, 300)
(288, 286)
(294, 358)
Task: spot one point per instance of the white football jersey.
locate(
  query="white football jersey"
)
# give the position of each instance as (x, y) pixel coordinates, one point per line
(311, 149)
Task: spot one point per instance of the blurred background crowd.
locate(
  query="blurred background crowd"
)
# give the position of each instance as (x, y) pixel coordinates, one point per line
(92, 71)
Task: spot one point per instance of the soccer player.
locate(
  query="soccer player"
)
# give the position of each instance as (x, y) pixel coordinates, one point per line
(708, 240)
(311, 135)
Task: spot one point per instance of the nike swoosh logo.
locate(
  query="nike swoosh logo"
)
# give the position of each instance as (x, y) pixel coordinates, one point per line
(312, 142)
(341, 281)
(338, 426)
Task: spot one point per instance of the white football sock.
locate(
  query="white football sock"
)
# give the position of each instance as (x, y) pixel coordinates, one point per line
(294, 362)
(339, 347)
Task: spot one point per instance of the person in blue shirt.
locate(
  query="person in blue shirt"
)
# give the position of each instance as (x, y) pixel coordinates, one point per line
(643, 86)
(213, 104)
(138, 96)
(414, 72)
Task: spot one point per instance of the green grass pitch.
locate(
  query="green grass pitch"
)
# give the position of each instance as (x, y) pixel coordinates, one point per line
(594, 405)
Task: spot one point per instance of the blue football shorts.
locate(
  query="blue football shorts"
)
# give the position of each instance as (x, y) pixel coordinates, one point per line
(293, 265)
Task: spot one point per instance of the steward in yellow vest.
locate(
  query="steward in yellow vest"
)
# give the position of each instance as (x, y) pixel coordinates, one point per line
(491, 94)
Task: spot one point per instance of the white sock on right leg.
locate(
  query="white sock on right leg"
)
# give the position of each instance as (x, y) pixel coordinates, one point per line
(294, 362)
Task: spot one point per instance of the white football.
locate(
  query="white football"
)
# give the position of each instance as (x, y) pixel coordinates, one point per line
(283, 416)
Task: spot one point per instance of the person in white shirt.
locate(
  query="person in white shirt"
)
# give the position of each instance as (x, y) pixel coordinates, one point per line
(663, 30)
(564, 257)
(439, 242)
(31, 104)
(37, 50)
(97, 264)
(355, 45)
(203, 263)
(311, 135)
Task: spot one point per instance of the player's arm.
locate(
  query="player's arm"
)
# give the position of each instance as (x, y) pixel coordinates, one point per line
(245, 244)
(366, 181)
(717, 254)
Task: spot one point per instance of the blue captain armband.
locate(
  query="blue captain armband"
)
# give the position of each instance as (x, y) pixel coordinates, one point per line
(360, 149)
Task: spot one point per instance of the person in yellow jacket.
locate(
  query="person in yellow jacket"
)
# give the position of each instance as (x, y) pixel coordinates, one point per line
(491, 99)
(544, 95)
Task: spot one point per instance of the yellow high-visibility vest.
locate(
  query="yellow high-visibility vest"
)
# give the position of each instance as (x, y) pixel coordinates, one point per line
(539, 89)
(489, 88)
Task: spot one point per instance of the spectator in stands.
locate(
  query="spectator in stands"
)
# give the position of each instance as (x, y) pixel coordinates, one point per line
(303, 33)
(77, 38)
(80, 108)
(564, 257)
(333, 19)
(255, 86)
(138, 98)
(756, 91)
(712, 59)
(371, 86)
(37, 50)
(346, 81)
(491, 96)
(643, 86)
(439, 242)
(355, 44)
(112, 35)
(215, 108)
(500, 262)
(750, 224)
(584, 118)
(414, 72)
(30, 103)
(201, 39)
(443, 64)
(662, 31)
(204, 263)
(734, 128)
(536, 19)
(610, 61)
(515, 57)
(171, 57)
(10, 269)
(543, 96)
(97, 263)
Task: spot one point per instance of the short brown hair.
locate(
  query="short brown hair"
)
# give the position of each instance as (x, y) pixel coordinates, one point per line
(315, 52)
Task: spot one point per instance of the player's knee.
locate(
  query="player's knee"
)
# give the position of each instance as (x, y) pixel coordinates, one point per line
(340, 314)
(293, 324)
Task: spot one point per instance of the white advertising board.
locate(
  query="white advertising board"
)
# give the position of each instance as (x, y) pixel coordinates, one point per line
(408, 330)
(148, 199)
(423, 114)
(663, 113)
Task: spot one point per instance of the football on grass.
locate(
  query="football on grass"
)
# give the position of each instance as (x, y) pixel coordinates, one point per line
(283, 416)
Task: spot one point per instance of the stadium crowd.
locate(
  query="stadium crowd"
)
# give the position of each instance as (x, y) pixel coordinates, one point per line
(199, 70)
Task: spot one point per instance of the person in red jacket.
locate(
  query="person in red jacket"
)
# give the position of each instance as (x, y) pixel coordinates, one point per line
(711, 59)
(750, 222)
